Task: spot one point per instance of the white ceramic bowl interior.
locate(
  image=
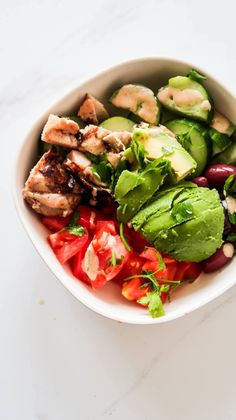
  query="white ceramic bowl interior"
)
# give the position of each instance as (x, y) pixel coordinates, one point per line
(152, 72)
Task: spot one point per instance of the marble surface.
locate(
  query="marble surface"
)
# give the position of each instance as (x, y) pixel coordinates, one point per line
(58, 360)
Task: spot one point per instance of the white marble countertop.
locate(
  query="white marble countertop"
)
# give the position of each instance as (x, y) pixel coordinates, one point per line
(59, 360)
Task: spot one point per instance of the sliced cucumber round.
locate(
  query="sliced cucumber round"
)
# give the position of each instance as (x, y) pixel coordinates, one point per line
(118, 124)
(227, 156)
(220, 141)
(194, 138)
(222, 125)
(138, 99)
(187, 97)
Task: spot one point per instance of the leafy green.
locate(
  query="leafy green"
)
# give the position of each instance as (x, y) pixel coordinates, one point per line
(77, 230)
(182, 211)
(231, 237)
(139, 153)
(122, 237)
(230, 186)
(73, 226)
(195, 75)
(103, 170)
(155, 305)
(74, 219)
(230, 191)
(122, 165)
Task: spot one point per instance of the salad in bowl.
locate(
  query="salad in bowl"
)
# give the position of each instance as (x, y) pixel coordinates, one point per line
(138, 190)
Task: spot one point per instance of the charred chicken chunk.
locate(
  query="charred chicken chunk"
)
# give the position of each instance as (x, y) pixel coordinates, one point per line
(49, 189)
(92, 111)
(61, 131)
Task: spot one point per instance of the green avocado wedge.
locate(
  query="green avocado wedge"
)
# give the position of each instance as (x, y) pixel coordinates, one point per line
(188, 226)
(159, 142)
(194, 138)
(133, 189)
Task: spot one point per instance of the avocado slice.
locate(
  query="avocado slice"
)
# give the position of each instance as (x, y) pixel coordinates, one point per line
(160, 142)
(157, 207)
(194, 138)
(139, 100)
(187, 97)
(133, 189)
(191, 230)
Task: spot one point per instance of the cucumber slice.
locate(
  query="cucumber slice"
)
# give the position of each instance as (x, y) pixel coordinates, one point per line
(118, 124)
(220, 141)
(194, 138)
(138, 99)
(187, 97)
(227, 156)
(222, 125)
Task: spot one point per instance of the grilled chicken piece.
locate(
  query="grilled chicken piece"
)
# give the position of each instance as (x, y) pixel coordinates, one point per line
(50, 204)
(118, 140)
(92, 139)
(49, 189)
(80, 166)
(92, 111)
(61, 131)
(114, 158)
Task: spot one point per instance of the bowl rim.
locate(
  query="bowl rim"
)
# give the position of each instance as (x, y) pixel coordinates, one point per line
(24, 220)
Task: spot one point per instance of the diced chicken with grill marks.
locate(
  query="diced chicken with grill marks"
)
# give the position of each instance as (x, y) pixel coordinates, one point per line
(80, 166)
(114, 158)
(61, 131)
(49, 189)
(118, 140)
(52, 204)
(92, 111)
(92, 139)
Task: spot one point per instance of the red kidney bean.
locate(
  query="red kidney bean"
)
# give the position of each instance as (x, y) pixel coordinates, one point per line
(221, 257)
(201, 181)
(217, 174)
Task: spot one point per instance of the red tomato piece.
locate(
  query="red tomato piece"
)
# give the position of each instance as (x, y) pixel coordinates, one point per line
(131, 289)
(187, 270)
(135, 239)
(66, 245)
(76, 263)
(55, 223)
(89, 217)
(105, 256)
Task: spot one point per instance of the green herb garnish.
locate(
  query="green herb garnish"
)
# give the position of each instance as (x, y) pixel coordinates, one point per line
(122, 237)
(195, 75)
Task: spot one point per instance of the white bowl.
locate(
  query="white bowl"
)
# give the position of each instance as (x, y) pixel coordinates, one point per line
(109, 302)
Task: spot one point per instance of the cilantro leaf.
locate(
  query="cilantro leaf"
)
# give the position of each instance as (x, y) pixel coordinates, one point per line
(122, 165)
(154, 303)
(182, 211)
(194, 75)
(139, 153)
(73, 226)
(103, 170)
(231, 237)
(230, 186)
(74, 219)
(77, 230)
(185, 139)
(232, 218)
(123, 239)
